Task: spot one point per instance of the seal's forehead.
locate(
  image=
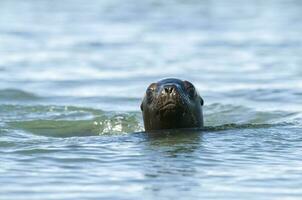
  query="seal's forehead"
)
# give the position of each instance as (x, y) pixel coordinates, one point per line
(170, 81)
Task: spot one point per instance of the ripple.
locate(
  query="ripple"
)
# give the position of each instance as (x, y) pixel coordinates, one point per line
(15, 94)
(69, 121)
(68, 67)
(217, 114)
(102, 125)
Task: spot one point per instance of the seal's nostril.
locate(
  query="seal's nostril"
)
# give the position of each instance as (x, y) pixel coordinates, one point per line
(169, 89)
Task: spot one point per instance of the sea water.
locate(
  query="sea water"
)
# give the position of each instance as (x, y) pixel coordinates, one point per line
(73, 74)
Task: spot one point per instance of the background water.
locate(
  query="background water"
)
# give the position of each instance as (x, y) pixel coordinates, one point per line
(73, 73)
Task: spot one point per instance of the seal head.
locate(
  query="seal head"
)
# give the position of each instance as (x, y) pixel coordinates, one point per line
(172, 104)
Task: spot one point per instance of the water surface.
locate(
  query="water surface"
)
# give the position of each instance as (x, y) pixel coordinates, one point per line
(73, 73)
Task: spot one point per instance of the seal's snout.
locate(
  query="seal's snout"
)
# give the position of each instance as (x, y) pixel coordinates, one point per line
(169, 90)
(169, 94)
(168, 100)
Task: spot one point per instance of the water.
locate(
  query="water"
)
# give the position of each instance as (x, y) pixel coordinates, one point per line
(73, 73)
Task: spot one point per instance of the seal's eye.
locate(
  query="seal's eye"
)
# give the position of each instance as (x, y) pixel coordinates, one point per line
(191, 92)
(190, 89)
(150, 92)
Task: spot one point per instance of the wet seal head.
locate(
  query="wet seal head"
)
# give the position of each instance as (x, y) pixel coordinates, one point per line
(172, 104)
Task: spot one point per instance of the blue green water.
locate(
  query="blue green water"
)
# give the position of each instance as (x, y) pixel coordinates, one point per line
(73, 73)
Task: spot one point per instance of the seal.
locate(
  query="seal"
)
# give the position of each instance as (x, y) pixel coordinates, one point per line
(172, 104)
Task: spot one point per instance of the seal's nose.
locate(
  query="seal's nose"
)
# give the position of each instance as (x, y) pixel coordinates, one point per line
(168, 90)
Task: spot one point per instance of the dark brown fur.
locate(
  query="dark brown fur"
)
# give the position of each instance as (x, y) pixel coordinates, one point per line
(172, 104)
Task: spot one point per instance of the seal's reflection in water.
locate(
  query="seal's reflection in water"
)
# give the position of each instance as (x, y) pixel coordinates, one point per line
(175, 142)
(171, 153)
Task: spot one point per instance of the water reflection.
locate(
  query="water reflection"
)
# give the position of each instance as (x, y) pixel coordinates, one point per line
(166, 151)
(175, 142)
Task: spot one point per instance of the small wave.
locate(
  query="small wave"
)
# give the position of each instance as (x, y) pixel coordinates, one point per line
(69, 121)
(220, 114)
(224, 127)
(234, 126)
(27, 113)
(106, 124)
(280, 95)
(14, 94)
